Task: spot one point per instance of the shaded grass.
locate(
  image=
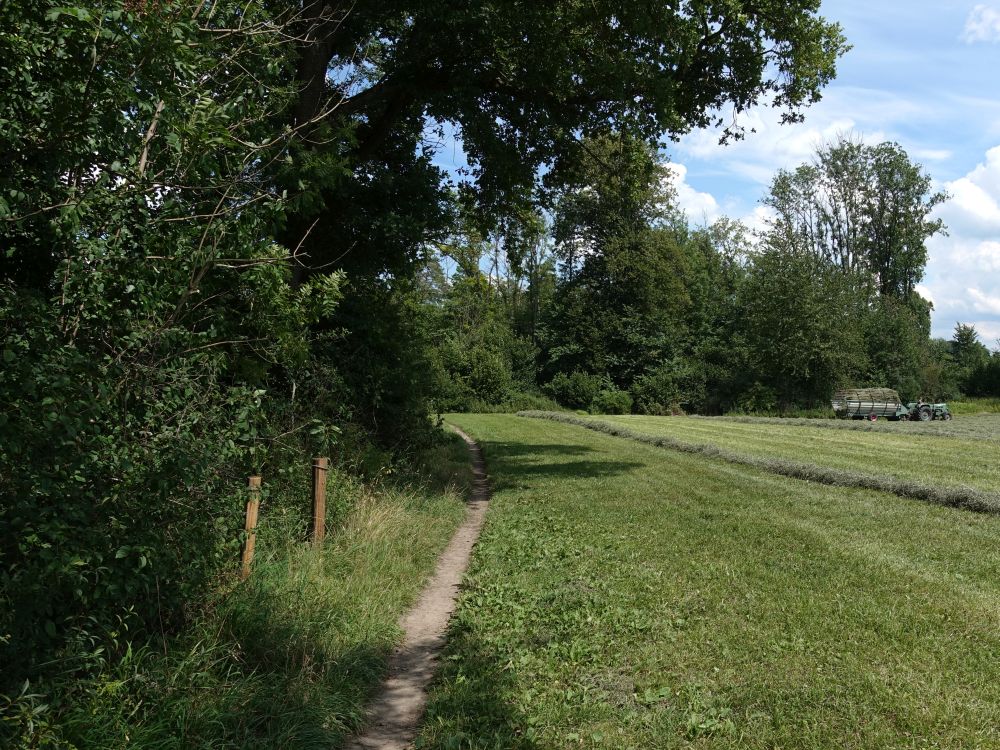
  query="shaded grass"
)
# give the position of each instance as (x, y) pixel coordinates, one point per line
(289, 657)
(672, 601)
(652, 433)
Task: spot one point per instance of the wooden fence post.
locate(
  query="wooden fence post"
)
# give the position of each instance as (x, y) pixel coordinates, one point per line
(253, 505)
(320, 468)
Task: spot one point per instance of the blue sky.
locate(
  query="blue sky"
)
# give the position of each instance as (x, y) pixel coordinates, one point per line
(924, 74)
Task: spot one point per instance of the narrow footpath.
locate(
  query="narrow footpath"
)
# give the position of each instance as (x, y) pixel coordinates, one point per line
(394, 716)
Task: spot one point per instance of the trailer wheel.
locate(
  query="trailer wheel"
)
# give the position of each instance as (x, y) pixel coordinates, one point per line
(872, 417)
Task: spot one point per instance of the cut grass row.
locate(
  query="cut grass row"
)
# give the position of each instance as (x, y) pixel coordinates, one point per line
(285, 659)
(629, 597)
(936, 471)
(973, 427)
(919, 457)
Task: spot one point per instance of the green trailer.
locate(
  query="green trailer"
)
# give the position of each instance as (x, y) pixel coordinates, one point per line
(872, 403)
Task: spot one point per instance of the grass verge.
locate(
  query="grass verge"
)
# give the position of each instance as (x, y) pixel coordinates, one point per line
(285, 659)
(968, 498)
(626, 597)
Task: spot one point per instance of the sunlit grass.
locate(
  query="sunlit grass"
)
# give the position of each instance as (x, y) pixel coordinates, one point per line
(908, 456)
(625, 596)
(975, 406)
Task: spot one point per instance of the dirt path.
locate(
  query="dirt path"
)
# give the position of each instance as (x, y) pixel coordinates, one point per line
(395, 714)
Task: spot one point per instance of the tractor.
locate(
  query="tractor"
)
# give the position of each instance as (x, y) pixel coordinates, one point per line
(872, 403)
(924, 412)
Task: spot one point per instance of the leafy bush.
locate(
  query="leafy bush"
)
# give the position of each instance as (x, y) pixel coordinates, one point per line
(611, 401)
(574, 391)
(517, 401)
(148, 328)
(670, 388)
(490, 377)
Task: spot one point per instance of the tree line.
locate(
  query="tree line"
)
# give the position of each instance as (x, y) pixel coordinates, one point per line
(611, 300)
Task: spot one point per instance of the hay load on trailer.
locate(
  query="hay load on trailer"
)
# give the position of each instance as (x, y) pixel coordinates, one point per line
(868, 403)
(872, 403)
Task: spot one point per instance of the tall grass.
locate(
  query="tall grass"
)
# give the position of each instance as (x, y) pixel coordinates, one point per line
(975, 406)
(287, 658)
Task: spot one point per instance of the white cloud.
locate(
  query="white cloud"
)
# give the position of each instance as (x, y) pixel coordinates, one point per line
(759, 219)
(984, 303)
(700, 207)
(931, 154)
(982, 25)
(989, 332)
(925, 292)
(963, 270)
(857, 112)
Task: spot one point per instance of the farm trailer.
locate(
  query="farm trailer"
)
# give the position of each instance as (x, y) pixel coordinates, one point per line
(872, 403)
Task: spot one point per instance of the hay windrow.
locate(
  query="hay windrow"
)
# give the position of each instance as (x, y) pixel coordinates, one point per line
(966, 498)
(954, 429)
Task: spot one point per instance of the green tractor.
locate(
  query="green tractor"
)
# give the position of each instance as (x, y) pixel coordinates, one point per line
(872, 403)
(924, 412)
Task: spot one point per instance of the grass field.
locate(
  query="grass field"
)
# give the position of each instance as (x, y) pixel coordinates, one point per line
(630, 597)
(977, 426)
(908, 455)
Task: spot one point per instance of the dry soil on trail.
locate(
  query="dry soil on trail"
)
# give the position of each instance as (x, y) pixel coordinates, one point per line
(394, 716)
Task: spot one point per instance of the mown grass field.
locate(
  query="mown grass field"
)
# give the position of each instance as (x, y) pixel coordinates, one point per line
(627, 596)
(973, 426)
(903, 453)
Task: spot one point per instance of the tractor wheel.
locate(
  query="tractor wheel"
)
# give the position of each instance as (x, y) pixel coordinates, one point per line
(925, 414)
(946, 416)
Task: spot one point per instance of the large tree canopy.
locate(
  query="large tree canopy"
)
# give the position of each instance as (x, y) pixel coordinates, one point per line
(523, 79)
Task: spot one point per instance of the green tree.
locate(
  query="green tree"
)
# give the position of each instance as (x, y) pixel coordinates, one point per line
(971, 358)
(800, 326)
(146, 319)
(866, 209)
(622, 300)
(521, 80)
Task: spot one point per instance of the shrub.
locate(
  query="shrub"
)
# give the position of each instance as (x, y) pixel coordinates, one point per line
(517, 401)
(670, 388)
(611, 401)
(574, 391)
